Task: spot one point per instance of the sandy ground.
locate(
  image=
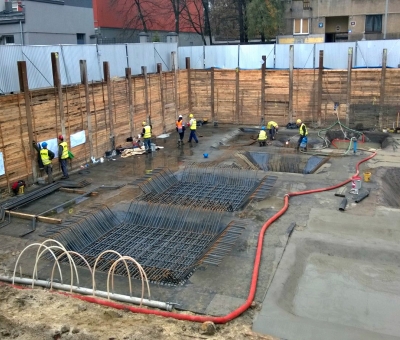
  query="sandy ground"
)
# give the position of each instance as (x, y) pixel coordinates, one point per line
(32, 314)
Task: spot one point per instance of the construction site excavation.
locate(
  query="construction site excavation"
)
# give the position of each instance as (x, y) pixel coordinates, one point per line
(153, 233)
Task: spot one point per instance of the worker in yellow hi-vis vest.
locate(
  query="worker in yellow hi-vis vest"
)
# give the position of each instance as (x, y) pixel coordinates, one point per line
(146, 134)
(272, 128)
(63, 156)
(192, 126)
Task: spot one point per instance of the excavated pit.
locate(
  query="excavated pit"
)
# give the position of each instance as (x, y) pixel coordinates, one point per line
(390, 189)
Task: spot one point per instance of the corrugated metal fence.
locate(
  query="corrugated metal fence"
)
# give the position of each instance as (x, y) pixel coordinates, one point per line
(38, 58)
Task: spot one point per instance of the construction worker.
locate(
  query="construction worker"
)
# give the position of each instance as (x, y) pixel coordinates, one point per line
(47, 156)
(63, 156)
(262, 137)
(193, 126)
(18, 187)
(180, 128)
(146, 134)
(303, 134)
(272, 128)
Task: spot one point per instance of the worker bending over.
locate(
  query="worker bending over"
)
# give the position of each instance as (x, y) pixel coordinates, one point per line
(146, 134)
(262, 137)
(272, 128)
(303, 135)
(63, 156)
(193, 126)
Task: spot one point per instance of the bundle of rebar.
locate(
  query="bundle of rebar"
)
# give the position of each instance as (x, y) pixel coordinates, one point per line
(168, 241)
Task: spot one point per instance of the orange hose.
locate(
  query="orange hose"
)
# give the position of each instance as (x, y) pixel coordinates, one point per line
(253, 285)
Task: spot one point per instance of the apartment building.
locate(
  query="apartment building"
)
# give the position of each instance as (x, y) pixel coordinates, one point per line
(316, 21)
(46, 22)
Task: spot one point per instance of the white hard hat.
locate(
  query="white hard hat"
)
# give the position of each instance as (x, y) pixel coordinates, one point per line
(180, 116)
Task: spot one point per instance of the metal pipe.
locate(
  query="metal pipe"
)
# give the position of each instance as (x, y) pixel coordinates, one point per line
(87, 291)
(386, 18)
(22, 33)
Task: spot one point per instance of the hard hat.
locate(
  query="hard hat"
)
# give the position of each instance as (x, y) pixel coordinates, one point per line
(191, 115)
(144, 123)
(262, 127)
(298, 121)
(60, 137)
(180, 116)
(44, 145)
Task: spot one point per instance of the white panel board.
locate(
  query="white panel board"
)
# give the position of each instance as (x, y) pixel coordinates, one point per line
(52, 144)
(2, 170)
(196, 55)
(69, 63)
(116, 57)
(282, 56)
(370, 52)
(250, 56)
(162, 55)
(225, 57)
(141, 55)
(9, 55)
(78, 138)
(303, 56)
(335, 54)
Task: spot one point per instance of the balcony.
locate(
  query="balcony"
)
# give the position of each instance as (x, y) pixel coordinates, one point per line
(11, 17)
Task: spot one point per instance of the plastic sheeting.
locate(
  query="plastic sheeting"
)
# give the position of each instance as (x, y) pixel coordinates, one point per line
(250, 56)
(196, 55)
(335, 54)
(116, 57)
(282, 56)
(162, 54)
(226, 57)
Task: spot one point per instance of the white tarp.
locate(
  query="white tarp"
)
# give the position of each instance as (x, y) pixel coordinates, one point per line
(2, 171)
(78, 138)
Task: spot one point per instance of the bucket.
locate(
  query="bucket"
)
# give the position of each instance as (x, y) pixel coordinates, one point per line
(153, 147)
(367, 176)
(21, 190)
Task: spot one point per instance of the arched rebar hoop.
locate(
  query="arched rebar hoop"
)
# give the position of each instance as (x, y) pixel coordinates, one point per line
(47, 241)
(141, 271)
(31, 245)
(94, 271)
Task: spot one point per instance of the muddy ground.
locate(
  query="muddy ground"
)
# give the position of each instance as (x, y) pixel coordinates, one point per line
(28, 314)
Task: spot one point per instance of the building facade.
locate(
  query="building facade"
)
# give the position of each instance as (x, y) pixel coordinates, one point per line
(121, 21)
(46, 22)
(316, 21)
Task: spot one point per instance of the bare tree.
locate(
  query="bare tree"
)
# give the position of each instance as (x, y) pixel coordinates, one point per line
(196, 16)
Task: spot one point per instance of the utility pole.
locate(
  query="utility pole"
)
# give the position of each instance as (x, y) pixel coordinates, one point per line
(386, 18)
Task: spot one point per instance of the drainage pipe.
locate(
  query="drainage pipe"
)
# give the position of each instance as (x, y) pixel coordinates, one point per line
(256, 267)
(87, 291)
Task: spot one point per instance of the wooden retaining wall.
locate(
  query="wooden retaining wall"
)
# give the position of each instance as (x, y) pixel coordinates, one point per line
(116, 108)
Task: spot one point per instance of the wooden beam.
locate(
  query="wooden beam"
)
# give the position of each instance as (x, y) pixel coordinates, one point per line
(174, 68)
(213, 94)
(24, 87)
(189, 84)
(78, 191)
(383, 88)
(237, 95)
(128, 76)
(348, 97)
(263, 73)
(107, 79)
(320, 75)
(84, 81)
(161, 80)
(146, 93)
(55, 65)
(31, 217)
(291, 66)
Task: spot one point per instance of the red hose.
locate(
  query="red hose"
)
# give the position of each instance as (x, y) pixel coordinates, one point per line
(253, 285)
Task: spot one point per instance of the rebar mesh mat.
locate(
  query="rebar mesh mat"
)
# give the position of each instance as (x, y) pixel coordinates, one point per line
(218, 189)
(169, 242)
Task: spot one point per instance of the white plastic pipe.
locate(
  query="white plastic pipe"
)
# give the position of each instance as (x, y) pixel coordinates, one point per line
(87, 291)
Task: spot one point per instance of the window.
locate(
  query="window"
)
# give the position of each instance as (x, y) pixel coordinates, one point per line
(80, 38)
(9, 39)
(300, 26)
(373, 23)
